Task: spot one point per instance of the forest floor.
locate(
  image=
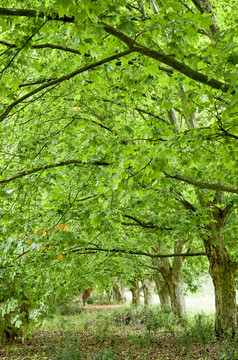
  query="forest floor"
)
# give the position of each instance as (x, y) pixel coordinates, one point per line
(164, 348)
(99, 334)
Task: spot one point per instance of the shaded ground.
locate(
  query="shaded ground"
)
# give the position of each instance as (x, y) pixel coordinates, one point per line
(127, 341)
(164, 348)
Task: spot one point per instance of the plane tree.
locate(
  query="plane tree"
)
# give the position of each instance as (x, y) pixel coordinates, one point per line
(105, 104)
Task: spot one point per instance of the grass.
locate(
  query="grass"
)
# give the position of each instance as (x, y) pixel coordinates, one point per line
(127, 334)
(203, 300)
(122, 334)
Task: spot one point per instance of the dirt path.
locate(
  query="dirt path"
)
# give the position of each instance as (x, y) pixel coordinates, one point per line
(102, 307)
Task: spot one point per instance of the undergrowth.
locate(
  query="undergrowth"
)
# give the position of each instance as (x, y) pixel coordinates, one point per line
(229, 349)
(198, 329)
(139, 327)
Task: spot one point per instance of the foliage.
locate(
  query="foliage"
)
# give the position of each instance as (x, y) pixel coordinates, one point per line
(105, 355)
(161, 318)
(201, 330)
(103, 328)
(143, 341)
(120, 139)
(66, 351)
(64, 337)
(229, 349)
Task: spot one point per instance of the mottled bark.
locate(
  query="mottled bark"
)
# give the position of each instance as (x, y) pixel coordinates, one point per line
(153, 6)
(222, 270)
(119, 293)
(148, 290)
(173, 276)
(191, 121)
(175, 282)
(162, 288)
(86, 294)
(135, 291)
(204, 6)
(173, 120)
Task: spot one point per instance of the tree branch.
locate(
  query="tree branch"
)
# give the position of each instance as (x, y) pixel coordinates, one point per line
(51, 166)
(187, 205)
(147, 225)
(34, 14)
(165, 59)
(204, 6)
(131, 252)
(133, 45)
(61, 79)
(22, 47)
(202, 185)
(58, 47)
(152, 114)
(43, 46)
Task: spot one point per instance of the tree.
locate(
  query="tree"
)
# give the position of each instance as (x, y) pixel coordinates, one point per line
(93, 96)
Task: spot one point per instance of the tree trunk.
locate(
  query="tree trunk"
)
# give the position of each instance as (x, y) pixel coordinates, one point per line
(163, 290)
(173, 276)
(119, 293)
(135, 291)
(221, 267)
(109, 294)
(148, 290)
(176, 291)
(173, 120)
(86, 294)
(223, 270)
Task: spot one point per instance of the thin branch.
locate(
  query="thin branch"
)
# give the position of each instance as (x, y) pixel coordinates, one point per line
(97, 116)
(147, 225)
(152, 114)
(143, 168)
(61, 79)
(43, 46)
(86, 251)
(226, 133)
(58, 47)
(187, 7)
(22, 47)
(36, 82)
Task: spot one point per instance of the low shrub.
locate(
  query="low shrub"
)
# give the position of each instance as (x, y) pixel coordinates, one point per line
(201, 330)
(160, 317)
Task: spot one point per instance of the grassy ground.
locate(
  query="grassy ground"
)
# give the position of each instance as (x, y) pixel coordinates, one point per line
(112, 333)
(120, 334)
(203, 300)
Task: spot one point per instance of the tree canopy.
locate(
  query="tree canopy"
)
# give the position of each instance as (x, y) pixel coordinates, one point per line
(118, 138)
